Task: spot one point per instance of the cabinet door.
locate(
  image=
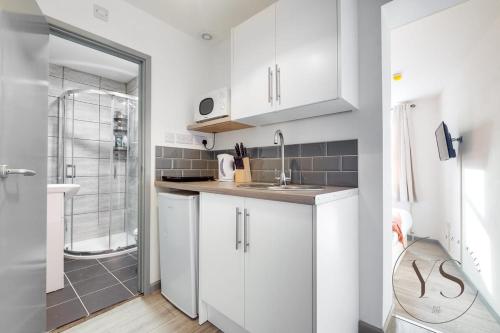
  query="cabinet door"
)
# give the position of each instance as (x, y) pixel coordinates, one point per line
(278, 267)
(253, 60)
(306, 52)
(221, 262)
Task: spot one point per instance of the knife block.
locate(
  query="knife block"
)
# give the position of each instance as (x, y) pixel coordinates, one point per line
(243, 175)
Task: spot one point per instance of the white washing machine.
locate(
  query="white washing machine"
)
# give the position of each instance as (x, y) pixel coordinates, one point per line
(178, 227)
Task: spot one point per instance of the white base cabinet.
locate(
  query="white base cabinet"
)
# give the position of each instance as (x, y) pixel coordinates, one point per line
(268, 266)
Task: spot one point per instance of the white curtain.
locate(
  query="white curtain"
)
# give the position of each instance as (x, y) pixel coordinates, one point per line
(402, 165)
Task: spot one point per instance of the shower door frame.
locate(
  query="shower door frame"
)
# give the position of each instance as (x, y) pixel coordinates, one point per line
(77, 35)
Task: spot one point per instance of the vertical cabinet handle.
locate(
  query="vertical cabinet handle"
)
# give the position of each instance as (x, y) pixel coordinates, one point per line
(238, 214)
(270, 85)
(246, 217)
(278, 84)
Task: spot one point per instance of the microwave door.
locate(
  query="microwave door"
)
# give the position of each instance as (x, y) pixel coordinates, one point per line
(206, 107)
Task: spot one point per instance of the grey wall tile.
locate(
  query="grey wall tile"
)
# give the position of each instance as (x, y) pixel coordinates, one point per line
(81, 97)
(199, 164)
(85, 167)
(349, 163)
(172, 152)
(157, 174)
(192, 154)
(55, 70)
(349, 179)
(313, 178)
(86, 111)
(88, 185)
(81, 77)
(85, 148)
(171, 173)
(190, 173)
(105, 114)
(84, 204)
(206, 155)
(158, 151)
(301, 163)
(253, 152)
(326, 163)
(268, 152)
(55, 86)
(105, 132)
(53, 106)
(113, 85)
(53, 126)
(52, 167)
(105, 149)
(347, 147)
(164, 163)
(52, 146)
(292, 150)
(181, 164)
(266, 164)
(313, 149)
(213, 164)
(85, 130)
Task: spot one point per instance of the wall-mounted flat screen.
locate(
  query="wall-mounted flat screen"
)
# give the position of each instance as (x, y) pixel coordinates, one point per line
(444, 143)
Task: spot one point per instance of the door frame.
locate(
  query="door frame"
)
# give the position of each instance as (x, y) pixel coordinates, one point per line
(82, 37)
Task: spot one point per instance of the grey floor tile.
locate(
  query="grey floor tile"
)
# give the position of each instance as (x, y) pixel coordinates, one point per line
(106, 297)
(131, 285)
(78, 264)
(119, 262)
(61, 295)
(85, 273)
(94, 284)
(127, 273)
(65, 313)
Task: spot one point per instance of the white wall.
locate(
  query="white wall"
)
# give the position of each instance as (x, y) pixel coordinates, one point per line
(366, 126)
(178, 70)
(470, 105)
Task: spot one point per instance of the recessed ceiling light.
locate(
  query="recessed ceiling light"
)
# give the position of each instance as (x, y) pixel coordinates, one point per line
(206, 36)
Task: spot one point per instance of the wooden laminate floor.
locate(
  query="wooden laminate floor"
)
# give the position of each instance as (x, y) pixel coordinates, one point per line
(147, 314)
(477, 319)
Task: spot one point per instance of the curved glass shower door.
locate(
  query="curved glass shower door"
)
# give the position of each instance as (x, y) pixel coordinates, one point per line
(98, 150)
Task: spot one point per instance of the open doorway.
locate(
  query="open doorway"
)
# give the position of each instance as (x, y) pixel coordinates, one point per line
(94, 178)
(443, 68)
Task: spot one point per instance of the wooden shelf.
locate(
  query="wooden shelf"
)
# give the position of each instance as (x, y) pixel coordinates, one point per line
(224, 124)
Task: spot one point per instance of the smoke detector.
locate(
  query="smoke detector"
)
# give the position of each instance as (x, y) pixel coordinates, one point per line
(206, 36)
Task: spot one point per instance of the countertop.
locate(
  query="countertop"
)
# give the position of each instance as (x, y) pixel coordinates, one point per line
(327, 194)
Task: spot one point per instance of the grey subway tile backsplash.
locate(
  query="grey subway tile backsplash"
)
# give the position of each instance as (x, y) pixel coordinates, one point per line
(164, 163)
(321, 163)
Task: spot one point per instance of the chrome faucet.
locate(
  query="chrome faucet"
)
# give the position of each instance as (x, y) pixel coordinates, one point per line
(278, 136)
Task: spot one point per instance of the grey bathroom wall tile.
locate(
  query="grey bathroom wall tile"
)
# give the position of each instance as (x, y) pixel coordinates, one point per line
(85, 130)
(300, 163)
(192, 154)
(263, 176)
(296, 179)
(199, 164)
(268, 152)
(106, 149)
(171, 173)
(292, 150)
(346, 147)
(158, 151)
(207, 173)
(114, 102)
(112, 184)
(53, 107)
(190, 173)
(81, 77)
(313, 178)
(113, 85)
(266, 164)
(164, 163)
(349, 163)
(53, 126)
(172, 152)
(331, 163)
(52, 146)
(84, 204)
(55, 70)
(81, 97)
(313, 149)
(131, 86)
(55, 86)
(88, 185)
(253, 152)
(206, 155)
(181, 164)
(85, 148)
(106, 132)
(52, 167)
(85, 167)
(105, 114)
(86, 111)
(349, 179)
(157, 174)
(107, 167)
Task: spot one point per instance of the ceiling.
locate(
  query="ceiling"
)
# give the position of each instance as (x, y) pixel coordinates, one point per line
(428, 52)
(194, 17)
(85, 59)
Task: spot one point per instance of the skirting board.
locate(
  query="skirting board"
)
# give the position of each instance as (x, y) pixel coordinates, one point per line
(367, 328)
(154, 286)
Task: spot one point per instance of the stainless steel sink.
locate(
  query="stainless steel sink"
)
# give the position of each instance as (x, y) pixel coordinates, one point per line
(274, 187)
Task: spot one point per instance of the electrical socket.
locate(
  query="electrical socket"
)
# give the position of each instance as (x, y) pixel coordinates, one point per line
(198, 139)
(101, 13)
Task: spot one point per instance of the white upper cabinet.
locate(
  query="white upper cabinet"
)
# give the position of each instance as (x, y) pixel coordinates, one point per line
(296, 59)
(253, 62)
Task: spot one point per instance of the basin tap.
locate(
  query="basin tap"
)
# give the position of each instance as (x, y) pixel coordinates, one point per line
(278, 136)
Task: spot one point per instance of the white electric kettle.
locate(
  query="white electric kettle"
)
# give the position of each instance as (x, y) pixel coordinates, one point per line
(226, 167)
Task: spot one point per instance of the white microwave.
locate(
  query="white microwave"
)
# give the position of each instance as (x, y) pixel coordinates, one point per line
(213, 105)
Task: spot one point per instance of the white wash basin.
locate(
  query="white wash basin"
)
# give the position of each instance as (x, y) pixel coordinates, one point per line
(68, 189)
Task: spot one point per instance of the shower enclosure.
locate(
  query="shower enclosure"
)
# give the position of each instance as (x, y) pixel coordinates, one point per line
(102, 156)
